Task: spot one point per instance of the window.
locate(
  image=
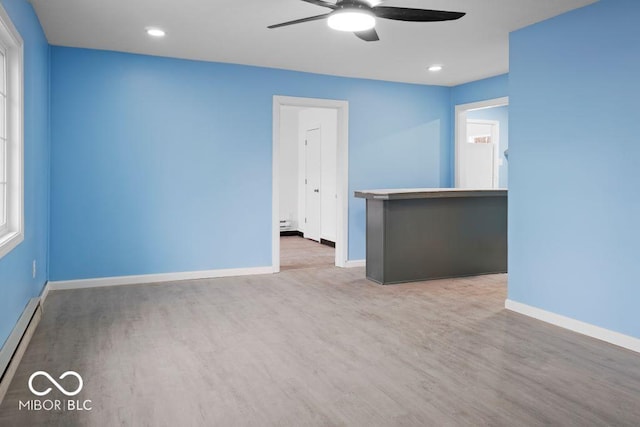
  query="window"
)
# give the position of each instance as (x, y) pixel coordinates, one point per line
(11, 142)
(3, 141)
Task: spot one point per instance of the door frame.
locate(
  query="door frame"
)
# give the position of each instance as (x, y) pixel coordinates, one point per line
(461, 126)
(342, 170)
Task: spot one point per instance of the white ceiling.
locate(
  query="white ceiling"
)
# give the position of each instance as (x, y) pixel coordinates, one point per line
(235, 31)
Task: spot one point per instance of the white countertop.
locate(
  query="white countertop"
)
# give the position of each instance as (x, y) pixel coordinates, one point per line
(428, 193)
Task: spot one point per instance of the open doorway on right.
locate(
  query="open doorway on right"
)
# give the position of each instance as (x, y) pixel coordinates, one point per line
(482, 143)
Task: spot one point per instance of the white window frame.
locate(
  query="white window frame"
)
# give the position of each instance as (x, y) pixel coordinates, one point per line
(12, 234)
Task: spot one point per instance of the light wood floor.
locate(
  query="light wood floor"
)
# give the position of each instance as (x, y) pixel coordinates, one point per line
(320, 346)
(296, 253)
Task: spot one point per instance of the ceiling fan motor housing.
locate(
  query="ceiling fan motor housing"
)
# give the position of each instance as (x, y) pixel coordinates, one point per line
(353, 5)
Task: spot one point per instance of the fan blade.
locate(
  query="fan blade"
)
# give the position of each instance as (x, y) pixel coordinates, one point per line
(300, 21)
(415, 15)
(322, 3)
(368, 35)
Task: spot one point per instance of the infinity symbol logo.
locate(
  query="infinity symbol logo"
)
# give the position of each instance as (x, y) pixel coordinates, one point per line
(55, 383)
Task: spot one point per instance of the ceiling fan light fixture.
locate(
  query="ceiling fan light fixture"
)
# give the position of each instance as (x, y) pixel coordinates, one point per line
(352, 20)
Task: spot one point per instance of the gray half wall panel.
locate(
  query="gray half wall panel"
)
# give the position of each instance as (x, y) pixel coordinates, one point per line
(431, 238)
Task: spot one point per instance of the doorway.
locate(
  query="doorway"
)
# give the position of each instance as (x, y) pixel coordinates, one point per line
(308, 142)
(321, 187)
(479, 162)
(481, 144)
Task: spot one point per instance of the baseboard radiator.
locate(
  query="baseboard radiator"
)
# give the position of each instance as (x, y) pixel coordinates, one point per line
(17, 343)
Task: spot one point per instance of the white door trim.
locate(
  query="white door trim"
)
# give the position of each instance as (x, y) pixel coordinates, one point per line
(461, 126)
(342, 178)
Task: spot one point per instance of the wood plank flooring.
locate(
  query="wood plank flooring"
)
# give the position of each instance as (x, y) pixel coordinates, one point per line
(296, 253)
(319, 346)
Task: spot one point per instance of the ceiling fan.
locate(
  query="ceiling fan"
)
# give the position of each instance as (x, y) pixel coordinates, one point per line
(359, 17)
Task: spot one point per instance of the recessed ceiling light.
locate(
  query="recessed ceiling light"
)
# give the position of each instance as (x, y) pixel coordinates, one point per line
(435, 68)
(155, 32)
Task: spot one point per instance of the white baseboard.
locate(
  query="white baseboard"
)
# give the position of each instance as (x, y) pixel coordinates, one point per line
(13, 349)
(155, 278)
(45, 292)
(355, 263)
(612, 337)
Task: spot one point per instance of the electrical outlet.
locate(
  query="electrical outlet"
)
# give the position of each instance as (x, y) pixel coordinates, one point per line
(33, 269)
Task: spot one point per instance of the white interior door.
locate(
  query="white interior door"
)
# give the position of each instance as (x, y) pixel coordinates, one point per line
(313, 168)
(478, 155)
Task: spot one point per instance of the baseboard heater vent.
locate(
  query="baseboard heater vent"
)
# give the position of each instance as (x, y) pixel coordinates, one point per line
(291, 233)
(17, 343)
(328, 243)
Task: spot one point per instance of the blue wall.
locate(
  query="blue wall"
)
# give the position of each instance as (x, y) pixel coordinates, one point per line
(480, 90)
(574, 231)
(501, 115)
(164, 165)
(16, 284)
